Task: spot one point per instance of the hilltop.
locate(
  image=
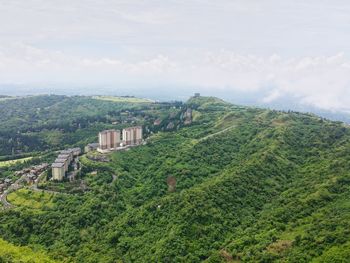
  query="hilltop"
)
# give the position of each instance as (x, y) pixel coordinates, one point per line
(227, 184)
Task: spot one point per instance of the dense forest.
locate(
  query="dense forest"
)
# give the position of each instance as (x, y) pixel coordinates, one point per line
(236, 184)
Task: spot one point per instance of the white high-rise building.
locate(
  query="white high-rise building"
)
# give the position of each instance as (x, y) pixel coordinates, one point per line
(58, 171)
(109, 139)
(132, 135)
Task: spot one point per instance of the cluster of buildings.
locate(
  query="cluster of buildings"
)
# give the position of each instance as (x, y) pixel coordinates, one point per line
(29, 175)
(35, 169)
(111, 140)
(63, 161)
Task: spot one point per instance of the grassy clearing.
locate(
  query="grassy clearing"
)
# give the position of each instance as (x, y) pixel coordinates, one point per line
(31, 199)
(122, 99)
(12, 162)
(12, 253)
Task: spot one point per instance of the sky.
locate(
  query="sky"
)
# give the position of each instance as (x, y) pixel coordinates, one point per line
(252, 51)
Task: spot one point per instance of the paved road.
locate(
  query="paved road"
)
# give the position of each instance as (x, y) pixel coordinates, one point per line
(4, 201)
(13, 187)
(34, 187)
(17, 185)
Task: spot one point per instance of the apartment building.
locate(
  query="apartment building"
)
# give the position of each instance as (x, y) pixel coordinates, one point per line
(58, 171)
(109, 139)
(66, 156)
(132, 135)
(64, 161)
(67, 153)
(75, 151)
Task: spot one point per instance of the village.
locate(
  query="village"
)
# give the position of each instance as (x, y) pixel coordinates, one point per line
(28, 176)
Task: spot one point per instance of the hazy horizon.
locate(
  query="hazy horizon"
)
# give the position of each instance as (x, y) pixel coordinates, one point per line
(183, 94)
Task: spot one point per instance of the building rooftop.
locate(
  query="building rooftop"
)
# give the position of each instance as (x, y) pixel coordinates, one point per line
(132, 128)
(68, 151)
(63, 156)
(111, 130)
(60, 160)
(57, 165)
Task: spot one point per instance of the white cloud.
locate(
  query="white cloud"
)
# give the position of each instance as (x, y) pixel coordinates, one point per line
(275, 48)
(272, 96)
(322, 81)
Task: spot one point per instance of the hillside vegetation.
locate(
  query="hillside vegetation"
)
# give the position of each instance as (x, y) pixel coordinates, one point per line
(37, 123)
(237, 185)
(11, 253)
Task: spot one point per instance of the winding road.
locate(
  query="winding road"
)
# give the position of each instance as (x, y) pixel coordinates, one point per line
(13, 187)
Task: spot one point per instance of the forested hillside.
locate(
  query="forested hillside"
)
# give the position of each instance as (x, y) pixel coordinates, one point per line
(36, 123)
(237, 184)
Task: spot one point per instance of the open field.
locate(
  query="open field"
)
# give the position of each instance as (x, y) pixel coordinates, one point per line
(11, 162)
(21, 253)
(31, 199)
(122, 99)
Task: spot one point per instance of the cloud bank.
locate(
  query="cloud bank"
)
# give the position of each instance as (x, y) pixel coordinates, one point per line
(322, 81)
(273, 48)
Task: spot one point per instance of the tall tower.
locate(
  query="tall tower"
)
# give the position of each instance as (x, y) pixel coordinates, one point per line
(109, 139)
(132, 135)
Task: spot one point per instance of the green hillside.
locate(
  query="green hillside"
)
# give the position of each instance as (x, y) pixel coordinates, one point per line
(37, 123)
(238, 184)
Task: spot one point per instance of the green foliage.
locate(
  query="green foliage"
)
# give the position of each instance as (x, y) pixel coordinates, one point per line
(337, 254)
(252, 185)
(12, 162)
(122, 99)
(31, 199)
(38, 123)
(16, 254)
